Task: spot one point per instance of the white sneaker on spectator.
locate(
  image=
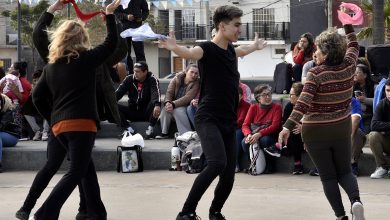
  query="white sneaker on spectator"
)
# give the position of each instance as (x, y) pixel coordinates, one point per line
(37, 136)
(149, 132)
(379, 173)
(44, 136)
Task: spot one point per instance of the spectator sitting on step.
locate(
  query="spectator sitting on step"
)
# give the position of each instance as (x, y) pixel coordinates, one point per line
(306, 67)
(181, 90)
(379, 137)
(364, 92)
(303, 52)
(242, 109)
(30, 113)
(294, 143)
(358, 136)
(262, 123)
(143, 91)
(8, 138)
(247, 93)
(191, 109)
(12, 77)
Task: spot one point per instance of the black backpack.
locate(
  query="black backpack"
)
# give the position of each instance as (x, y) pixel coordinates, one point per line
(282, 78)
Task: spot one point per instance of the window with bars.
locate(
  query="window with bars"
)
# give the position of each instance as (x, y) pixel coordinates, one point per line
(188, 24)
(264, 22)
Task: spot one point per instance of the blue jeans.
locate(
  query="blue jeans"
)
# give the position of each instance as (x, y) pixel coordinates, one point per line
(6, 140)
(191, 110)
(264, 142)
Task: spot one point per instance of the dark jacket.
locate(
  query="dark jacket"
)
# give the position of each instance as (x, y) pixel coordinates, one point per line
(68, 90)
(381, 118)
(105, 92)
(150, 92)
(138, 8)
(173, 88)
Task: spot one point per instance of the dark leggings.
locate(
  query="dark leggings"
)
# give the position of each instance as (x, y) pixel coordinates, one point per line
(79, 147)
(136, 114)
(55, 156)
(219, 146)
(295, 146)
(333, 161)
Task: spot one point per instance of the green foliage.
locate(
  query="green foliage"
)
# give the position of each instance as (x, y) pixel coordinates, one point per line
(367, 7)
(156, 25)
(31, 14)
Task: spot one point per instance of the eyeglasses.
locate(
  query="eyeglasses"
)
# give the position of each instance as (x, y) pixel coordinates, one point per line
(266, 95)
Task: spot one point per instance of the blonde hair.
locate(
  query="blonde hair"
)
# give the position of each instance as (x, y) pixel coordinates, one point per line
(68, 40)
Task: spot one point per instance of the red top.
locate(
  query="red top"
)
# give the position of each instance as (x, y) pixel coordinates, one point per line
(299, 55)
(242, 109)
(270, 118)
(26, 90)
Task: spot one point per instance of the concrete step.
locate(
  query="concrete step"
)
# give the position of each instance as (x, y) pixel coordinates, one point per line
(31, 155)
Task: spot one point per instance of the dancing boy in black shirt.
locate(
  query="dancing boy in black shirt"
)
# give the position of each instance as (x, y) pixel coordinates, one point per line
(215, 120)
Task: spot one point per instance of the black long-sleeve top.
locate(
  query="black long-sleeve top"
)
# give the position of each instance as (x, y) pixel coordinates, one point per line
(68, 90)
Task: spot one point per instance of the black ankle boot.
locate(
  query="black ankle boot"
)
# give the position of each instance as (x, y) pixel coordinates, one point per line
(216, 216)
(22, 214)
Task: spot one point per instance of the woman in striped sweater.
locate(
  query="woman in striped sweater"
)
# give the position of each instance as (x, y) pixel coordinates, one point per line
(325, 107)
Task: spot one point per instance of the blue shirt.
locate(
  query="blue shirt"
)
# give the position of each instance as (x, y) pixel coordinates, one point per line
(356, 110)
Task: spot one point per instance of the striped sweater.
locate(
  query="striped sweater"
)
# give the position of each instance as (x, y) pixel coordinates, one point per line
(324, 104)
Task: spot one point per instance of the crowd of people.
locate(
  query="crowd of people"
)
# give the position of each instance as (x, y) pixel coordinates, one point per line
(335, 108)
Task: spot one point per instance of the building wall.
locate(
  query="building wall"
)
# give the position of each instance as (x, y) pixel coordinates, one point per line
(302, 14)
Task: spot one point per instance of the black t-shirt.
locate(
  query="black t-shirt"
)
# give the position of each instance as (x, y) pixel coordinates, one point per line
(219, 79)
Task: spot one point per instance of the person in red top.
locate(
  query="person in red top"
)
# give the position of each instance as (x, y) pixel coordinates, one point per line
(262, 122)
(242, 109)
(303, 52)
(21, 67)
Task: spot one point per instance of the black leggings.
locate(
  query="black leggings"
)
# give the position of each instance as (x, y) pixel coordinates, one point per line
(295, 146)
(78, 145)
(333, 161)
(219, 146)
(55, 156)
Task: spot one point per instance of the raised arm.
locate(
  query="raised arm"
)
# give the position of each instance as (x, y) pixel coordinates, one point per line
(40, 38)
(258, 44)
(195, 53)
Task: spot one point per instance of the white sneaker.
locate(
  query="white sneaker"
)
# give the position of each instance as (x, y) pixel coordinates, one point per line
(131, 130)
(37, 136)
(379, 173)
(357, 211)
(44, 136)
(149, 131)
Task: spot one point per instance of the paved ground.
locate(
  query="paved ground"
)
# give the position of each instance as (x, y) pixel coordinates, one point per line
(158, 195)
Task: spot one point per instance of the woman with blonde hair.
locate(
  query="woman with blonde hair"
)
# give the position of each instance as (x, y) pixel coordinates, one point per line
(325, 106)
(65, 95)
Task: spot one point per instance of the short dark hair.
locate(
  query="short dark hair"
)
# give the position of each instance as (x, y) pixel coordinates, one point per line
(259, 89)
(21, 67)
(298, 87)
(226, 13)
(142, 65)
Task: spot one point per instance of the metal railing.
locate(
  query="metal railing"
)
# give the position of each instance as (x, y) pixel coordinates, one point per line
(266, 30)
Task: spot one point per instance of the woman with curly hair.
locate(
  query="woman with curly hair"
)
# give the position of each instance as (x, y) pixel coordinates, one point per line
(324, 107)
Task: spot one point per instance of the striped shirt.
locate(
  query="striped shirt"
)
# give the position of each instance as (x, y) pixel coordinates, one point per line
(324, 104)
